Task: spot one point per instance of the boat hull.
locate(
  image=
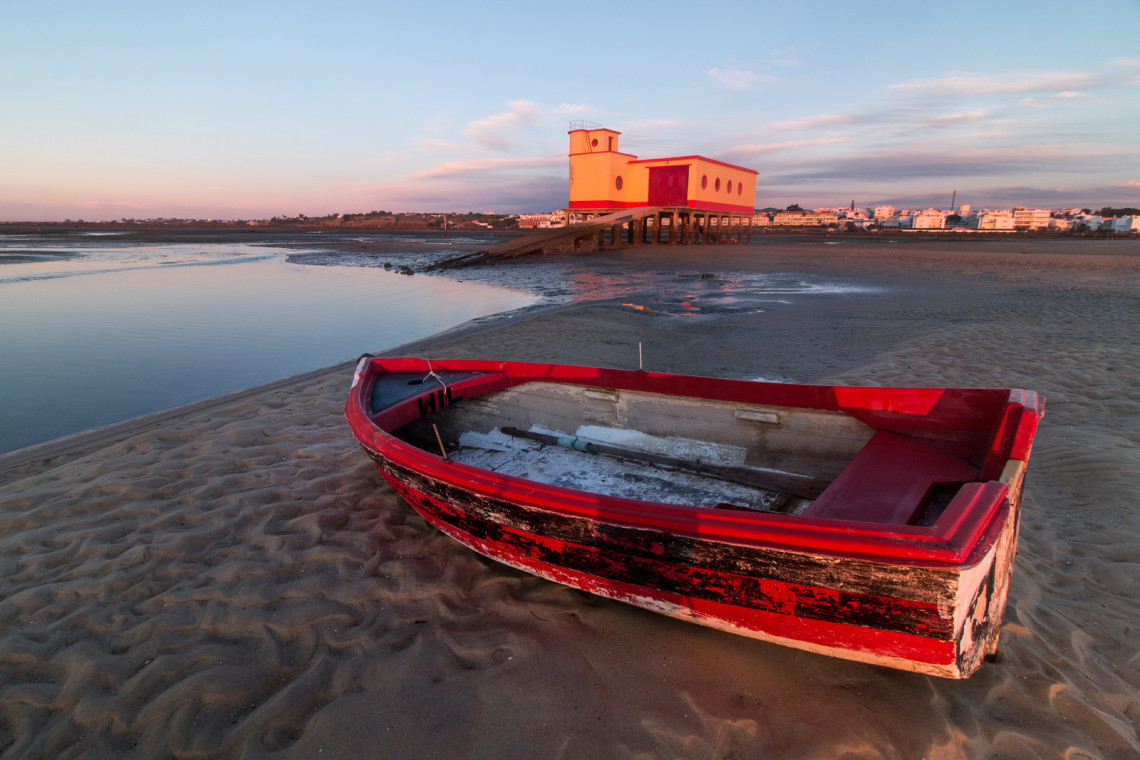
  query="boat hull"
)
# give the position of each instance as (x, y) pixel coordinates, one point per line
(894, 615)
(826, 586)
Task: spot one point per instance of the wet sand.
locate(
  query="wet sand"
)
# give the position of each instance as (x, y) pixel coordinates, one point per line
(236, 579)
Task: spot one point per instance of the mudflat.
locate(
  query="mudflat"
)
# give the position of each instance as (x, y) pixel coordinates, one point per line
(237, 580)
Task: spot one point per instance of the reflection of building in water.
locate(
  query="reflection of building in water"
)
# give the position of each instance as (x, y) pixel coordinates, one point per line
(602, 177)
(587, 285)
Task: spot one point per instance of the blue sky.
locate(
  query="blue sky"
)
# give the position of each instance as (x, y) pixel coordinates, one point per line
(257, 109)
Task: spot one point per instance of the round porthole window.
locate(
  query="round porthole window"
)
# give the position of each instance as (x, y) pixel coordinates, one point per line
(717, 185)
(729, 188)
(594, 143)
(617, 182)
(740, 189)
(704, 181)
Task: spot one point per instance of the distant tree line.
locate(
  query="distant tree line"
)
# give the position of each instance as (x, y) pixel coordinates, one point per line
(468, 220)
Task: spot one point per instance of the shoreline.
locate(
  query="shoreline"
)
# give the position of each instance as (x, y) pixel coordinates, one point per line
(38, 457)
(129, 318)
(238, 580)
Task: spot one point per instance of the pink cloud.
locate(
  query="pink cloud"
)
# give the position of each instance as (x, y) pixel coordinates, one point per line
(966, 83)
(494, 131)
(817, 122)
(739, 80)
(789, 145)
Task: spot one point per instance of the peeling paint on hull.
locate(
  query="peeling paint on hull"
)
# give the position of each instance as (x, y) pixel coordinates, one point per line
(865, 626)
(847, 592)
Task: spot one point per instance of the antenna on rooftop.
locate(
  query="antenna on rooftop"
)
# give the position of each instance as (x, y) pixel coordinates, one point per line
(953, 198)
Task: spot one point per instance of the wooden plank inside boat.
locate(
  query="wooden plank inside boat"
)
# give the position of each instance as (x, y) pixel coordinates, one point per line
(771, 480)
(814, 443)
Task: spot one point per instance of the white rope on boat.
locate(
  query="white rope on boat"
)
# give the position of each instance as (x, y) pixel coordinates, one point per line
(431, 373)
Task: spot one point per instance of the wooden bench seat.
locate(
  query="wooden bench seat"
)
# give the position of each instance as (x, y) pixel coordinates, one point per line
(889, 481)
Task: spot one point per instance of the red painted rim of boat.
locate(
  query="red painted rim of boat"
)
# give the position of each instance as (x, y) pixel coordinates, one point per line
(959, 537)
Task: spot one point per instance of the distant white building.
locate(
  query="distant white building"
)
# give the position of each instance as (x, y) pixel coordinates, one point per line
(1062, 225)
(989, 220)
(930, 219)
(1126, 224)
(1031, 218)
(883, 212)
(552, 219)
(804, 219)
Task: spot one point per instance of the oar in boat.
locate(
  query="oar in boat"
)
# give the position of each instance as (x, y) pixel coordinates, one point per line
(804, 486)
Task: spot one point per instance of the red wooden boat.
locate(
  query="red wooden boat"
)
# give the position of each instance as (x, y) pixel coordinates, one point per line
(873, 524)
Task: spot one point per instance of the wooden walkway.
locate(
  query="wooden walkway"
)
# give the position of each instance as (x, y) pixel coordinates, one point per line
(628, 228)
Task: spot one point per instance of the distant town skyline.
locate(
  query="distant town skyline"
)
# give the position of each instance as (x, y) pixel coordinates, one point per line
(255, 110)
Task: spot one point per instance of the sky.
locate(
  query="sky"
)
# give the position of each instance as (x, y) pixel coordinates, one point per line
(249, 109)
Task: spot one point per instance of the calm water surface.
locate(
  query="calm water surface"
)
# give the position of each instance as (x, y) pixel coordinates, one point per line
(95, 330)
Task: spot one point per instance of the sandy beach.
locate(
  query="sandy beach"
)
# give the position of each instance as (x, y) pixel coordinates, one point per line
(235, 579)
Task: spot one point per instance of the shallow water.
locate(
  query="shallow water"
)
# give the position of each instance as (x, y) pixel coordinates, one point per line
(99, 327)
(669, 289)
(98, 330)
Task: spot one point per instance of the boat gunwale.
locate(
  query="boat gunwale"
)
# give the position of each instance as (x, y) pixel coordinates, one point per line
(960, 537)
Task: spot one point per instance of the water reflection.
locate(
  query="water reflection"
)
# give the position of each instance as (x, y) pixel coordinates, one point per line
(21, 263)
(108, 336)
(100, 328)
(581, 279)
(691, 293)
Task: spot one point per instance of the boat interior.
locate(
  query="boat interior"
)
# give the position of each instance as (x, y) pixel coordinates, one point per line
(683, 450)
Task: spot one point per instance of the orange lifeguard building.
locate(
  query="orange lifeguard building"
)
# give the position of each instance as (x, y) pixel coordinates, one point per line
(604, 178)
(618, 200)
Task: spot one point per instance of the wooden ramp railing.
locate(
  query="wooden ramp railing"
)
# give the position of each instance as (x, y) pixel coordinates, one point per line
(626, 228)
